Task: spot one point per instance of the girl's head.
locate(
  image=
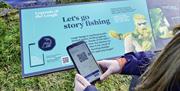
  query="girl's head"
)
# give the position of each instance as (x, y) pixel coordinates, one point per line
(165, 71)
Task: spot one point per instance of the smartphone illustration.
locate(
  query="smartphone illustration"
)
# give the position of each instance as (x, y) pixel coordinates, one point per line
(84, 61)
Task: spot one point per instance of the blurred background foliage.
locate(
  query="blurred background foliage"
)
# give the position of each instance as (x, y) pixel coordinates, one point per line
(10, 63)
(72, 1)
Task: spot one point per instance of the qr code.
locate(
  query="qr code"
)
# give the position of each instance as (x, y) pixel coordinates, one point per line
(65, 60)
(82, 56)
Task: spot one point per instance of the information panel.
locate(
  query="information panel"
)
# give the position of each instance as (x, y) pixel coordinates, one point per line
(109, 28)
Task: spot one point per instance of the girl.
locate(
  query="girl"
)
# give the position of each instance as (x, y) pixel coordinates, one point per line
(162, 75)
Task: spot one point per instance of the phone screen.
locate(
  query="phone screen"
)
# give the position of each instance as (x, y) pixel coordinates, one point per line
(85, 62)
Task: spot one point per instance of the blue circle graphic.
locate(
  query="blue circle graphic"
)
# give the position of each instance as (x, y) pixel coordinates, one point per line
(47, 43)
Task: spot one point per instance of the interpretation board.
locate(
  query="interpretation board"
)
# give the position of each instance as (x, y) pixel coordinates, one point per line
(109, 28)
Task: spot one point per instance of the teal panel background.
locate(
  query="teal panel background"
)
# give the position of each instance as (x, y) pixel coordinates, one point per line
(35, 28)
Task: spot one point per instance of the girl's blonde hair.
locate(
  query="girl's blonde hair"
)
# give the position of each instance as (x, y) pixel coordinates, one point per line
(165, 70)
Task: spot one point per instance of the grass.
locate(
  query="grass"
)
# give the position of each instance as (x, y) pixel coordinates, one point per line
(10, 66)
